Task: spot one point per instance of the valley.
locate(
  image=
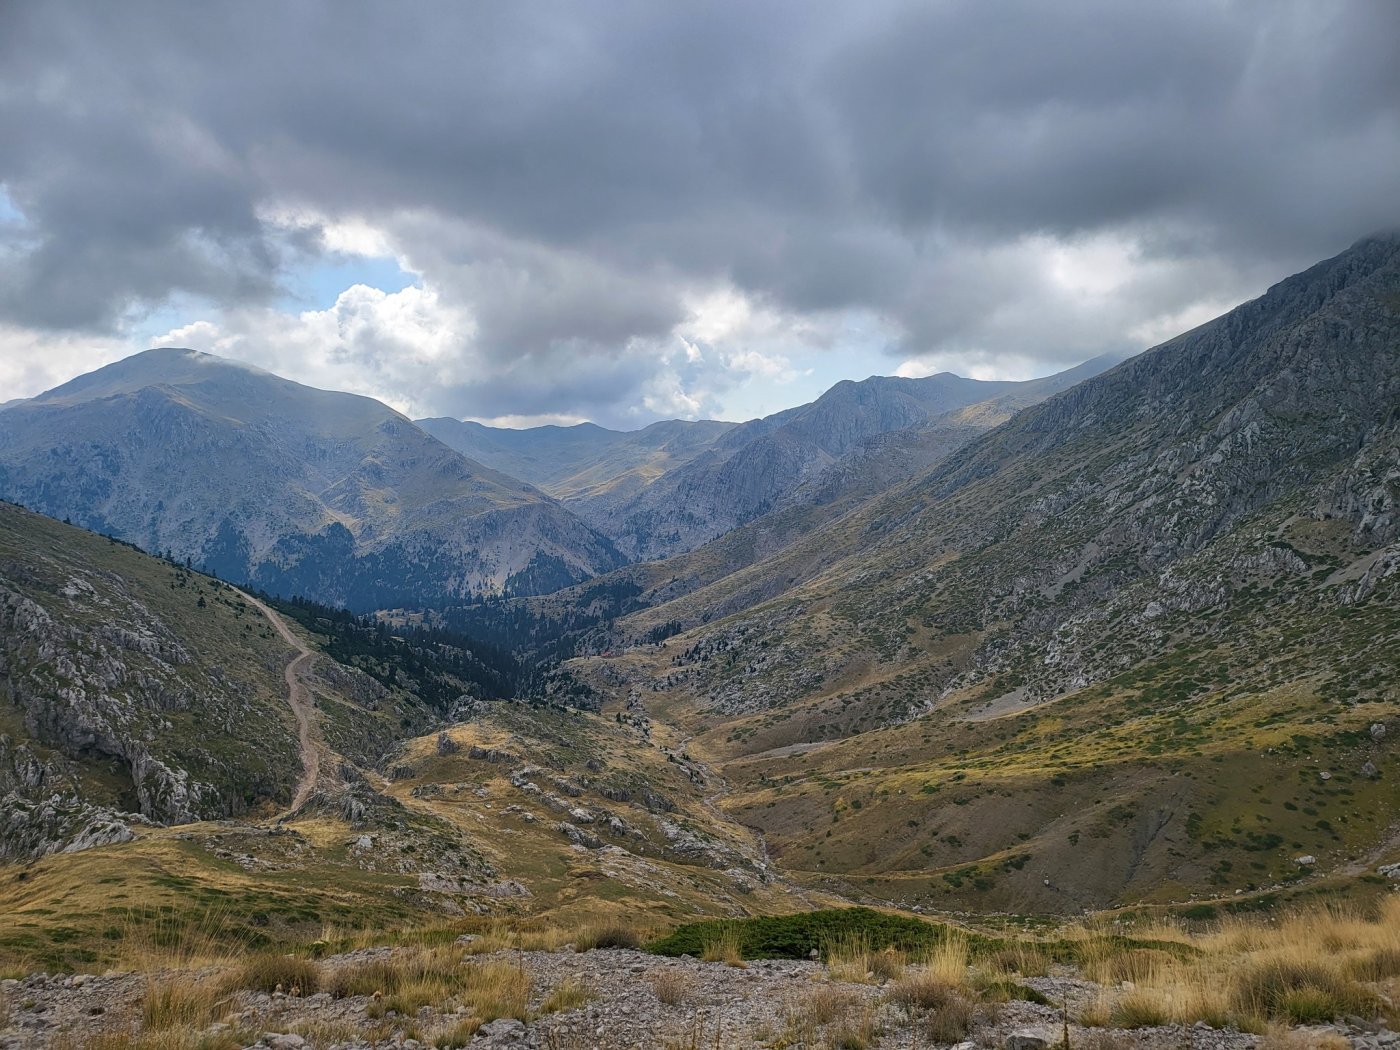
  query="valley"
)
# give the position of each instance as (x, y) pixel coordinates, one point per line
(1011, 662)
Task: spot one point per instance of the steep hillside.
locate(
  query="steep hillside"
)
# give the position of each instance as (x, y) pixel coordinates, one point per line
(594, 615)
(1132, 643)
(767, 464)
(295, 490)
(177, 752)
(134, 691)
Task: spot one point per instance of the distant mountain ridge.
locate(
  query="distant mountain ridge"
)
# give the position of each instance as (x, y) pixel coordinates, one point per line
(341, 499)
(673, 486)
(298, 490)
(572, 461)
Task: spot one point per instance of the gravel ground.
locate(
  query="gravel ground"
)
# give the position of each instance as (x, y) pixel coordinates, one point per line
(767, 1004)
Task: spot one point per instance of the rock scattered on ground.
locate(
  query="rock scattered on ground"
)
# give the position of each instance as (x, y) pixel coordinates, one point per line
(764, 1004)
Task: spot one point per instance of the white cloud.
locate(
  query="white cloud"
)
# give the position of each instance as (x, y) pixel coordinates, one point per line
(397, 346)
(512, 422)
(32, 362)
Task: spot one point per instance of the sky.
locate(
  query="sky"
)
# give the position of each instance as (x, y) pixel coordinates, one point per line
(548, 212)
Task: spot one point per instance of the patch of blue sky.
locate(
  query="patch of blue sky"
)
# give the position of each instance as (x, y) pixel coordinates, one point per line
(317, 287)
(10, 215)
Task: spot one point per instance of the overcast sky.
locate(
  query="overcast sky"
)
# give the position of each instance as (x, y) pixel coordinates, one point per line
(529, 211)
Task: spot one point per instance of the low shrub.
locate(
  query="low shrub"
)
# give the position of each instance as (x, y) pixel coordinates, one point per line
(796, 936)
(614, 935)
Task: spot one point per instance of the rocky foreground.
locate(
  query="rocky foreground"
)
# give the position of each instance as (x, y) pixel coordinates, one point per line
(597, 999)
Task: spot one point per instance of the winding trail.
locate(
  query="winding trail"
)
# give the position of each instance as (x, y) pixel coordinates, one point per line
(299, 698)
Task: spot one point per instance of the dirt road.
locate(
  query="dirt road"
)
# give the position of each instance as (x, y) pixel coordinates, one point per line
(300, 700)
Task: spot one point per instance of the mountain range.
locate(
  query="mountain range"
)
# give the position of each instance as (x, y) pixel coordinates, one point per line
(673, 486)
(1121, 636)
(339, 498)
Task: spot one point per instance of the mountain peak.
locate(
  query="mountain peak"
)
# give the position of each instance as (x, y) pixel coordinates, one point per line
(162, 366)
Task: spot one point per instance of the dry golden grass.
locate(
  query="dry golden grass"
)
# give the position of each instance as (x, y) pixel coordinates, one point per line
(1019, 960)
(826, 1002)
(161, 940)
(1277, 1037)
(271, 972)
(724, 946)
(855, 1030)
(948, 960)
(176, 1002)
(673, 986)
(1261, 975)
(1307, 967)
(503, 936)
(391, 974)
(416, 977)
(939, 1000)
(496, 936)
(496, 989)
(923, 990)
(1294, 982)
(1099, 1013)
(171, 1039)
(363, 978)
(454, 1034)
(849, 957)
(569, 995)
(799, 1020)
(951, 1021)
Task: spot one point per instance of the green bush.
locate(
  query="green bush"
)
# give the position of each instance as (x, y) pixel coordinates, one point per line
(797, 936)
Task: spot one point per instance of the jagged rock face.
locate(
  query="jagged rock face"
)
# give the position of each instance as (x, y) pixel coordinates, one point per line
(329, 495)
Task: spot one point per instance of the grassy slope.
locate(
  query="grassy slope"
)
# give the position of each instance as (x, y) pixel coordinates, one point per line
(1193, 770)
(440, 814)
(1101, 657)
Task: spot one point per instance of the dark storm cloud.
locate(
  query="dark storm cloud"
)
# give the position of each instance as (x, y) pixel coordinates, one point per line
(568, 173)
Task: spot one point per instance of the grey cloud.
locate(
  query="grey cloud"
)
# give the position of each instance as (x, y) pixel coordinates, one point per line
(567, 171)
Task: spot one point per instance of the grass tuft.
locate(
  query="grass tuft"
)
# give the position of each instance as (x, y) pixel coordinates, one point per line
(180, 1002)
(569, 995)
(723, 944)
(271, 972)
(672, 986)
